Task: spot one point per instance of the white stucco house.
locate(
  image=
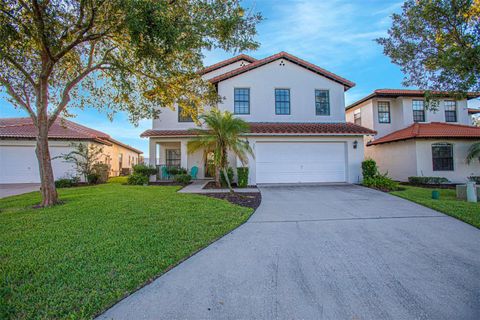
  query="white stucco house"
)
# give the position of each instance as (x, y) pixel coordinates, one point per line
(413, 141)
(296, 112)
(18, 161)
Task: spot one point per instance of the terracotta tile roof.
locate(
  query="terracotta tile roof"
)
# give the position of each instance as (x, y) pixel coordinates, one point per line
(473, 111)
(283, 55)
(224, 63)
(281, 128)
(430, 130)
(23, 128)
(395, 93)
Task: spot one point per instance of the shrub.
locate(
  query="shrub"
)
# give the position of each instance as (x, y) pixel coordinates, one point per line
(173, 171)
(183, 178)
(144, 170)
(119, 179)
(381, 182)
(369, 168)
(427, 180)
(475, 179)
(93, 178)
(242, 175)
(103, 170)
(64, 183)
(230, 177)
(137, 179)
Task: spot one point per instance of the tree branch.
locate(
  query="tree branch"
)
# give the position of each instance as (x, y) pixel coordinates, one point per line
(11, 91)
(41, 27)
(19, 67)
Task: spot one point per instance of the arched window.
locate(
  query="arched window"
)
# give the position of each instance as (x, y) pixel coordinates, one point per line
(442, 156)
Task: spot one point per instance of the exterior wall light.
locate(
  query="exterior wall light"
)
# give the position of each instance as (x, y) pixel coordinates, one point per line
(355, 144)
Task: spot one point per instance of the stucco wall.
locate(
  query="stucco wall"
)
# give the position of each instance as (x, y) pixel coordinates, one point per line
(302, 84)
(398, 159)
(225, 69)
(460, 151)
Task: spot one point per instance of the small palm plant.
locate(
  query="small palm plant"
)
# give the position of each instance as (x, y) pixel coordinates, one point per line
(222, 133)
(473, 152)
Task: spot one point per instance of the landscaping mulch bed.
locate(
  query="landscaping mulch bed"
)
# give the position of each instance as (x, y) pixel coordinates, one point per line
(431, 186)
(212, 185)
(244, 199)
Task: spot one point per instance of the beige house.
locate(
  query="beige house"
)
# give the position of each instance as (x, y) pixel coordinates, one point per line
(18, 162)
(414, 141)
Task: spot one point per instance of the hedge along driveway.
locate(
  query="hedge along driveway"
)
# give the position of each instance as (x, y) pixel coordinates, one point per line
(77, 259)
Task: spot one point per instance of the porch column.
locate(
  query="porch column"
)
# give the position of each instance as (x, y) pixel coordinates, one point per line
(183, 154)
(152, 156)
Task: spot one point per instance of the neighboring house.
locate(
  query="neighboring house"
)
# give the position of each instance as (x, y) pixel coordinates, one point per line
(474, 115)
(413, 141)
(18, 162)
(296, 112)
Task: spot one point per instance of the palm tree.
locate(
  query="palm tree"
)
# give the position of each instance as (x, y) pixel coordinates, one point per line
(473, 152)
(221, 135)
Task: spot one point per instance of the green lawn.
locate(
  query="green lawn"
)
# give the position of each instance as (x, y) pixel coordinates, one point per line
(77, 259)
(448, 204)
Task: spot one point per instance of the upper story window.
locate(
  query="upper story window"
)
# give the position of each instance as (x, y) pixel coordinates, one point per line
(450, 111)
(241, 101)
(418, 111)
(282, 101)
(384, 112)
(322, 103)
(182, 117)
(442, 157)
(357, 117)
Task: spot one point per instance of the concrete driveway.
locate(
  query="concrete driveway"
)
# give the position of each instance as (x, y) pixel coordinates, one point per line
(324, 252)
(13, 189)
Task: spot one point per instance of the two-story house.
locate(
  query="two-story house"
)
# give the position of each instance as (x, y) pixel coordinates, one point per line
(296, 112)
(413, 140)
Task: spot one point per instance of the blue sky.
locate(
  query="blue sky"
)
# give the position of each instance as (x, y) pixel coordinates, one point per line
(336, 35)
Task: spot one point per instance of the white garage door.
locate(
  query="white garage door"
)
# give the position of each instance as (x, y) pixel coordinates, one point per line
(18, 164)
(297, 162)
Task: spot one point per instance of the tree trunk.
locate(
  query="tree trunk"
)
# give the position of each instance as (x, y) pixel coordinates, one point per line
(48, 190)
(217, 177)
(225, 173)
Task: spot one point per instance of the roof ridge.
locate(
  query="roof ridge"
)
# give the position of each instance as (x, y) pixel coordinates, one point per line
(227, 62)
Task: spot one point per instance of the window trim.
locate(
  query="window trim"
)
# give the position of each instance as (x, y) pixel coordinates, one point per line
(389, 112)
(328, 100)
(167, 159)
(455, 111)
(289, 102)
(443, 144)
(179, 116)
(424, 111)
(359, 113)
(234, 110)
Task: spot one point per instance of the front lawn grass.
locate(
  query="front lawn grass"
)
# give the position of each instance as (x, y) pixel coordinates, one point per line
(77, 259)
(466, 211)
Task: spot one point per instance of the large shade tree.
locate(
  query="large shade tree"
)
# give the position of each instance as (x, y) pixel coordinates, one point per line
(221, 133)
(116, 55)
(437, 45)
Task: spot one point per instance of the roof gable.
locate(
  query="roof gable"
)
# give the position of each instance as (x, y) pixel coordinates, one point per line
(224, 63)
(283, 55)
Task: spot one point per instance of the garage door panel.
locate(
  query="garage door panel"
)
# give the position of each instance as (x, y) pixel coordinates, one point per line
(297, 162)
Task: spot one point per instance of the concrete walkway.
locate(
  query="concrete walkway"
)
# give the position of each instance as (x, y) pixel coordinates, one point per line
(13, 189)
(324, 252)
(197, 187)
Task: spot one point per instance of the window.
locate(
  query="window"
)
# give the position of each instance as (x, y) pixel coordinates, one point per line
(357, 117)
(182, 117)
(450, 111)
(383, 112)
(442, 157)
(322, 103)
(282, 101)
(120, 161)
(173, 158)
(242, 101)
(418, 111)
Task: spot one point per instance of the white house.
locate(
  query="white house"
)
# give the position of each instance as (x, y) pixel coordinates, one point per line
(296, 111)
(19, 164)
(414, 141)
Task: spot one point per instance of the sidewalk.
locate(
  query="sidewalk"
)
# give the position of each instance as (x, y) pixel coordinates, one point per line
(197, 187)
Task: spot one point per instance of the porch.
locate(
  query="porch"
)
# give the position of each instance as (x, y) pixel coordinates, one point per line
(172, 153)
